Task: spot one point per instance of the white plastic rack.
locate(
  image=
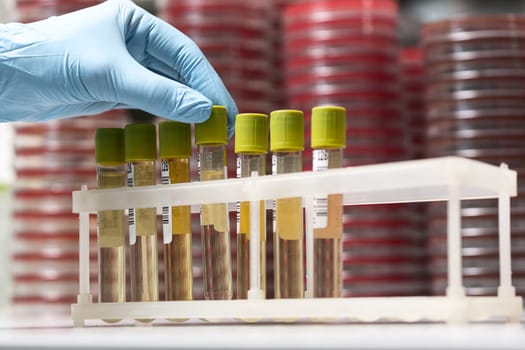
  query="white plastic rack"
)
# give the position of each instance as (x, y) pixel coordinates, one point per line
(450, 179)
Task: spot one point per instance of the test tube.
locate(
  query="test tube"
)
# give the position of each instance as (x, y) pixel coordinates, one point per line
(328, 141)
(211, 137)
(287, 144)
(111, 173)
(141, 152)
(175, 154)
(251, 146)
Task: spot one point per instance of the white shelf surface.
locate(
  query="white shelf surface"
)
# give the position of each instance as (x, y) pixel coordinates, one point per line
(202, 335)
(450, 178)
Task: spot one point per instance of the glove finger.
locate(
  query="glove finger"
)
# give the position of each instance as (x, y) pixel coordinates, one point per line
(174, 49)
(142, 89)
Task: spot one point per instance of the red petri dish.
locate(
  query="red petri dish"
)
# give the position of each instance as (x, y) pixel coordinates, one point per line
(486, 55)
(329, 89)
(472, 24)
(319, 8)
(351, 77)
(309, 34)
(225, 33)
(45, 204)
(364, 97)
(212, 6)
(330, 66)
(55, 236)
(510, 85)
(491, 105)
(500, 67)
(350, 47)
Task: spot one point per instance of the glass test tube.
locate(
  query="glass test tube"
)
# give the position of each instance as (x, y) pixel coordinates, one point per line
(287, 144)
(175, 154)
(328, 142)
(111, 173)
(211, 137)
(251, 145)
(141, 152)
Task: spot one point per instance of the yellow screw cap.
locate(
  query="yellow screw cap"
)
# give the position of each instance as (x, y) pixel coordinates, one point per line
(287, 130)
(174, 140)
(328, 127)
(140, 141)
(215, 129)
(109, 146)
(251, 133)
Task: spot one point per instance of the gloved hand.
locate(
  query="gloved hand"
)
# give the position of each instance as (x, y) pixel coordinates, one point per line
(113, 55)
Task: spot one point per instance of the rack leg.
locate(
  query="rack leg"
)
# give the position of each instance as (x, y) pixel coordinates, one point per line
(505, 288)
(78, 323)
(455, 273)
(84, 296)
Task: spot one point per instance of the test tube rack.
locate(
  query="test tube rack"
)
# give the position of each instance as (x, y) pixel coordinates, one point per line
(449, 179)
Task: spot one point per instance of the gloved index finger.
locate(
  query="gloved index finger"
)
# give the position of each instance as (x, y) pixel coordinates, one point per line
(170, 46)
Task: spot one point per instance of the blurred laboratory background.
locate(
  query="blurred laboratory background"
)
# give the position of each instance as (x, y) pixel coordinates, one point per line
(418, 78)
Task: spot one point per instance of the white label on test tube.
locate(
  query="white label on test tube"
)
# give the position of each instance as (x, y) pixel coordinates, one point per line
(131, 211)
(274, 203)
(166, 212)
(320, 204)
(238, 204)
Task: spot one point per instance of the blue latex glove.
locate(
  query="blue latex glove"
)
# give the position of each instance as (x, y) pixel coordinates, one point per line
(113, 55)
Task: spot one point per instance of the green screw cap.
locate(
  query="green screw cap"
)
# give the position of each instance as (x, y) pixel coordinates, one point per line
(174, 140)
(140, 141)
(287, 130)
(251, 133)
(328, 127)
(215, 129)
(109, 146)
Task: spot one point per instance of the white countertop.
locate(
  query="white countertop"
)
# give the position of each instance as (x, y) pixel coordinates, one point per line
(201, 335)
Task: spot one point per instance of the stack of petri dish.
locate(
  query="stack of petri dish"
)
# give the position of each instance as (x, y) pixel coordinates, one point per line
(475, 68)
(346, 53)
(413, 97)
(413, 110)
(52, 159)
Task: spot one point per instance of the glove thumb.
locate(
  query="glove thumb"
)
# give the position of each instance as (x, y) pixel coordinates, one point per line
(143, 89)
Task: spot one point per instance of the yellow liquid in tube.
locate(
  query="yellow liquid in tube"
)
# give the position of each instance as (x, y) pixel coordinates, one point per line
(111, 242)
(328, 234)
(216, 242)
(144, 264)
(247, 164)
(288, 234)
(178, 253)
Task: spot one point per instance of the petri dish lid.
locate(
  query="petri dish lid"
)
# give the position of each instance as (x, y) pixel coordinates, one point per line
(249, 27)
(466, 95)
(213, 5)
(475, 55)
(472, 23)
(321, 88)
(318, 9)
(309, 31)
(356, 77)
